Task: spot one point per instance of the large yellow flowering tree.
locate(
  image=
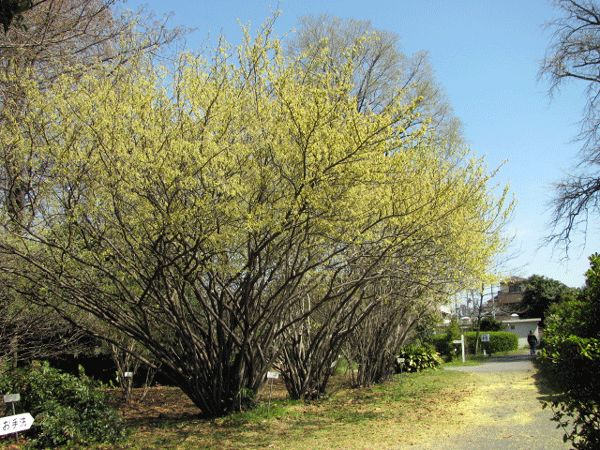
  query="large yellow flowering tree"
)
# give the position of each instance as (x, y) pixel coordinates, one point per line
(209, 210)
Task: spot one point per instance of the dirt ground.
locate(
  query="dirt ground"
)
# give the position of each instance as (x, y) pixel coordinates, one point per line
(503, 412)
(158, 403)
(161, 402)
(499, 408)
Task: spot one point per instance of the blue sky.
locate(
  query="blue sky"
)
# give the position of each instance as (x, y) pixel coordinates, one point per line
(486, 55)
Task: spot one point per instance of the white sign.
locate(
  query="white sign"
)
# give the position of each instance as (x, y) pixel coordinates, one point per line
(400, 360)
(457, 342)
(272, 375)
(128, 375)
(11, 398)
(15, 424)
(485, 338)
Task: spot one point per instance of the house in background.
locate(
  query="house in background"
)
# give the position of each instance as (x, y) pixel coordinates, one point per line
(507, 305)
(508, 300)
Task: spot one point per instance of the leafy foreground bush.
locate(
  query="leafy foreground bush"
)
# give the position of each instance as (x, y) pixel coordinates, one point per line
(66, 409)
(417, 359)
(571, 354)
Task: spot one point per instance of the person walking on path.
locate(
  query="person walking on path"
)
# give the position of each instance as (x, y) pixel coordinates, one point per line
(532, 341)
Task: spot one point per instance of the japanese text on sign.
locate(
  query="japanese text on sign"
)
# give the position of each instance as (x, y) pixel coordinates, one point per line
(14, 424)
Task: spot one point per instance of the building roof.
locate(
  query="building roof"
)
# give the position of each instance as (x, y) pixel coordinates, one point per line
(520, 320)
(512, 297)
(513, 280)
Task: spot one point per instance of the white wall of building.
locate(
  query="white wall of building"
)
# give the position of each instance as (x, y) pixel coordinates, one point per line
(521, 328)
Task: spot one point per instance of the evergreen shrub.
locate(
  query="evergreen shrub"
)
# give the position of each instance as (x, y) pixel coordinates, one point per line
(67, 410)
(417, 359)
(571, 355)
(500, 341)
(442, 345)
(490, 324)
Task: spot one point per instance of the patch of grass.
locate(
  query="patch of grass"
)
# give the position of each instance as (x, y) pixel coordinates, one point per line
(349, 420)
(473, 360)
(470, 360)
(393, 415)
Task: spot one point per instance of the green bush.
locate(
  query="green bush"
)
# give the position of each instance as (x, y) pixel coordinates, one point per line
(417, 359)
(443, 342)
(66, 409)
(442, 345)
(500, 341)
(490, 324)
(571, 354)
(453, 330)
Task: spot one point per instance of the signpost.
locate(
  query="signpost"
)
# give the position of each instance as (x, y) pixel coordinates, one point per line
(12, 398)
(462, 344)
(271, 376)
(400, 362)
(16, 423)
(485, 338)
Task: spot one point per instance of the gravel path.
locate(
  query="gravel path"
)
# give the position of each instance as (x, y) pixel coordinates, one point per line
(503, 412)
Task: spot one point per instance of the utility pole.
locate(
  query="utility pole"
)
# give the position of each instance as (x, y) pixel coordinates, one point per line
(493, 302)
(479, 318)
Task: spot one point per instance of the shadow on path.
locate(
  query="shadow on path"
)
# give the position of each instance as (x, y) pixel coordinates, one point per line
(512, 358)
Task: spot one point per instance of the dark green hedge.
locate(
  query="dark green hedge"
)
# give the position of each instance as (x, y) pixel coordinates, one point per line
(500, 341)
(442, 345)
